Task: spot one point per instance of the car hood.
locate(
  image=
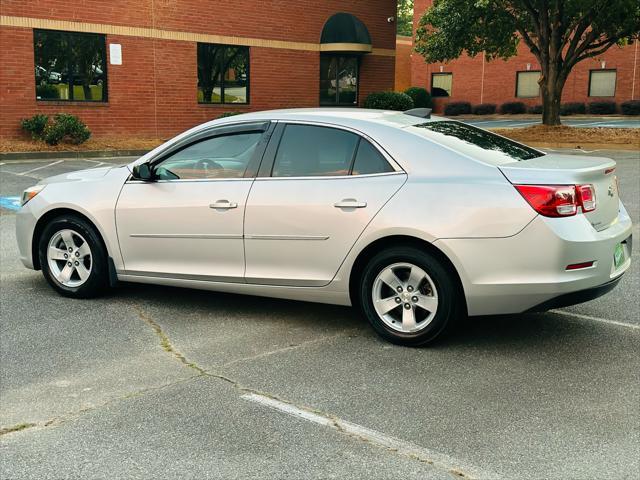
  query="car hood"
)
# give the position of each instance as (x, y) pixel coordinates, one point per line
(78, 176)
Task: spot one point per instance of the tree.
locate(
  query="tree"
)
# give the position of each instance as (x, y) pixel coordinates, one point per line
(404, 18)
(559, 33)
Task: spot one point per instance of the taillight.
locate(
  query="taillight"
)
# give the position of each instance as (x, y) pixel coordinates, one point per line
(559, 200)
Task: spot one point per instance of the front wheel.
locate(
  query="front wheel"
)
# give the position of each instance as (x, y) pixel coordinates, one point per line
(409, 297)
(73, 257)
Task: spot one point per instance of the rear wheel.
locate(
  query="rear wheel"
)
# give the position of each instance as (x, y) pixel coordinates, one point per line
(409, 297)
(73, 258)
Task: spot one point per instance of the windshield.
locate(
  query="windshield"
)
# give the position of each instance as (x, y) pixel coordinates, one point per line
(475, 142)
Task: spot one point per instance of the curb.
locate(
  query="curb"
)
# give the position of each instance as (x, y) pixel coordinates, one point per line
(70, 155)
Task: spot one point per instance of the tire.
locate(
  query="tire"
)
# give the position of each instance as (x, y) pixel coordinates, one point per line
(89, 270)
(435, 308)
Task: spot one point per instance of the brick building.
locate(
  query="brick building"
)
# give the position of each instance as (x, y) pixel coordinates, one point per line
(156, 67)
(613, 76)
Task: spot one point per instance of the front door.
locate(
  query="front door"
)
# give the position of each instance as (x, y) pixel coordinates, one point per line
(189, 222)
(323, 186)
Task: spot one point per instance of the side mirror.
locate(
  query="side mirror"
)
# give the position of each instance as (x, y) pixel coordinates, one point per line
(143, 172)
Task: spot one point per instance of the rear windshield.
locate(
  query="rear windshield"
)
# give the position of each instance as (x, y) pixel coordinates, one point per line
(477, 143)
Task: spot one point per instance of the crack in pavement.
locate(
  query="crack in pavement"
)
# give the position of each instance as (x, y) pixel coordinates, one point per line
(354, 431)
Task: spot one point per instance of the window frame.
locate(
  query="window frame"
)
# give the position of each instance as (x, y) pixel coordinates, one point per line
(518, 72)
(268, 160)
(615, 83)
(339, 55)
(266, 127)
(222, 80)
(442, 74)
(71, 75)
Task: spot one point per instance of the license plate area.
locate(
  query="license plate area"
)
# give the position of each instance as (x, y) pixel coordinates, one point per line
(621, 256)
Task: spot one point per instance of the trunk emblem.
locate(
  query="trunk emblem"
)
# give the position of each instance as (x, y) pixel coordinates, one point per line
(610, 191)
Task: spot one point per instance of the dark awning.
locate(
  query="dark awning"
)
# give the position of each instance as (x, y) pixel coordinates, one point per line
(343, 32)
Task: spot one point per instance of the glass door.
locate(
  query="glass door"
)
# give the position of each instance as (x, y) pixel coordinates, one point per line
(338, 80)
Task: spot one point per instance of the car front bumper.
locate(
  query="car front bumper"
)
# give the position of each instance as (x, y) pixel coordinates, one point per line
(527, 271)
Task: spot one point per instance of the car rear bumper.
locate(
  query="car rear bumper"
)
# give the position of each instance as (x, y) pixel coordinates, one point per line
(528, 270)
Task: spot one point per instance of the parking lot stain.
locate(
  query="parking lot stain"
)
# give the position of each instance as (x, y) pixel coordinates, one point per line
(16, 428)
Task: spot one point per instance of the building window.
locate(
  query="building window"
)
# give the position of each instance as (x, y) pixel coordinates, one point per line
(527, 84)
(338, 80)
(70, 66)
(441, 84)
(602, 83)
(223, 73)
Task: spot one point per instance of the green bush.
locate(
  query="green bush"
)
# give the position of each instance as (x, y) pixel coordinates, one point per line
(484, 109)
(35, 125)
(572, 108)
(420, 96)
(66, 127)
(630, 107)
(388, 101)
(535, 109)
(457, 108)
(47, 91)
(227, 114)
(513, 108)
(602, 107)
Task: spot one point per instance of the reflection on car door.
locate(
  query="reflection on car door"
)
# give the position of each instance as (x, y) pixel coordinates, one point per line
(189, 223)
(322, 187)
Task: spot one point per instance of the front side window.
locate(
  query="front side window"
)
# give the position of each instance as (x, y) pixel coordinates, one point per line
(70, 66)
(602, 83)
(527, 84)
(441, 84)
(223, 73)
(338, 80)
(225, 156)
(311, 151)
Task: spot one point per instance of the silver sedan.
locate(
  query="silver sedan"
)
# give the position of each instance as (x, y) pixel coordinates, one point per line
(417, 221)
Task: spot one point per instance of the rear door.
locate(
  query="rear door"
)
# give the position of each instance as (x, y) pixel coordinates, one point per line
(318, 188)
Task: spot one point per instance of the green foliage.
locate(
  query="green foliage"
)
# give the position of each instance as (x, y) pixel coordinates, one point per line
(630, 107)
(66, 127)
(388, 101)
(513, 108)
(484, 109)
(420, 97)
(228, 114)
(559, 34)
(404, 18)
(47, 91)
(602, 107)
(457, 108)
(35, 125)
(572, 108)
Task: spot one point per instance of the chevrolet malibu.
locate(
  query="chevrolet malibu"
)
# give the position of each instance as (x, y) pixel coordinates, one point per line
(416, 220)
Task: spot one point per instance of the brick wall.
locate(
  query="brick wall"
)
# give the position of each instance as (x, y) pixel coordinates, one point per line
(498, 84)
(403, 63)
(154, 92)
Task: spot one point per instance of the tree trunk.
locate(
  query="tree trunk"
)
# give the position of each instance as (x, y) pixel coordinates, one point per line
(551, 105)
(87, 91)
(207, 93)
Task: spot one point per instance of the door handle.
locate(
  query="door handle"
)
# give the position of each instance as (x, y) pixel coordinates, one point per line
(350, 203)
(223, 204)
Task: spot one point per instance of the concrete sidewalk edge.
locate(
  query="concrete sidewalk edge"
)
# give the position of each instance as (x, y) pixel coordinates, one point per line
(8, 156)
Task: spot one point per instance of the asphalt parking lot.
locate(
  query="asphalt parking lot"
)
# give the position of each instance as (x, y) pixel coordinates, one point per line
(152, 382)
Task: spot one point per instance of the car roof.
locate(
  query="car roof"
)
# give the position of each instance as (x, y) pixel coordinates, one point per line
(348, 117)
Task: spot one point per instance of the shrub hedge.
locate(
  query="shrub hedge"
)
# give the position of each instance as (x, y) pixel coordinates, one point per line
(535, 109)
(513, 108)
(388, 101)
(630, 107)
(484, 109)
(572, 108)
(420, 96)
(63, 127)
(457, 108)
(602, 107)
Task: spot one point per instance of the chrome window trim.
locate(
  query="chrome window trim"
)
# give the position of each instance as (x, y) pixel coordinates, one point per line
(333, 177)
(191, 180)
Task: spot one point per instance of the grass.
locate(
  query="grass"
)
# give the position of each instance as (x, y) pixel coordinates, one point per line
(215, 97)
(16, 428)
(78, 92)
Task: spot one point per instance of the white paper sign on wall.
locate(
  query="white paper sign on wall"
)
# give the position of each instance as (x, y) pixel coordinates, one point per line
(115, 54)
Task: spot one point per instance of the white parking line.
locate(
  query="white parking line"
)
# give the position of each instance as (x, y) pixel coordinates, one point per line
(40, 168)
(406, 449)
(597, 319)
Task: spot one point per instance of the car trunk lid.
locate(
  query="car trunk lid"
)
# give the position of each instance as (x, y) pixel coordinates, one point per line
(556, 169)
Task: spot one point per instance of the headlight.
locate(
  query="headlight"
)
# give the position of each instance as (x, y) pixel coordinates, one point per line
(31, 192)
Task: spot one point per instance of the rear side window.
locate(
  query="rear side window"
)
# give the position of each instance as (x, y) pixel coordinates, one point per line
(475, 142)
(369, 160)
(310, 151)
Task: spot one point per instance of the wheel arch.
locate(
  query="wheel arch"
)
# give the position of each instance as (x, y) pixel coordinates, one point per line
(383, 243)
(48, 217)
